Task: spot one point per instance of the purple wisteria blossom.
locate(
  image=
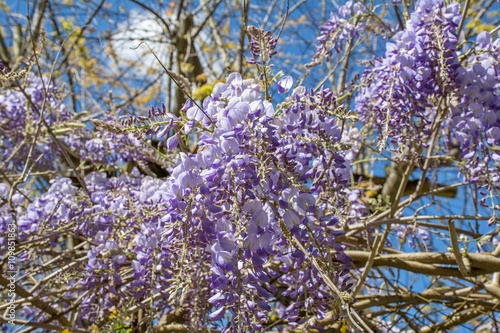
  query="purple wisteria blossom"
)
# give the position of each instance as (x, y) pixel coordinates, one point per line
(421, 81)
(338, 30)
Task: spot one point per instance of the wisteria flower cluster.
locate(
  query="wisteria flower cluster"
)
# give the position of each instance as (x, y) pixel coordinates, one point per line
(257, 223)
(262, 45)
(423, 80)
(210, 235)
(242, 197)
(401, 92)
(476, 111)
(19, 121)
(19, 112)
(338, 30)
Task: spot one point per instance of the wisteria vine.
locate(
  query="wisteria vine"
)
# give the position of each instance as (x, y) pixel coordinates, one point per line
(251, 226)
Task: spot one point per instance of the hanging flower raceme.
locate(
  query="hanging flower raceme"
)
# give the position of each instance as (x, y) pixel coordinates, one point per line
(337, 31)
(476, 112)
(249, 174)
(403, 92)
(216, 227)
(233, 228)
(421, 85)
(19, 119)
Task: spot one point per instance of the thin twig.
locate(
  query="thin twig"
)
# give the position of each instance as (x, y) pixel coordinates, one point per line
(456, 251)
(175, 81)
(368, 265)
(462, 20)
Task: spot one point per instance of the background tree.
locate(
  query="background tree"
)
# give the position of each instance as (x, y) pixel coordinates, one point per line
(244, 201)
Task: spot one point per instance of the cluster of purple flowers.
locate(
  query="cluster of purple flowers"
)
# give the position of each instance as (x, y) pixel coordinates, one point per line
(337, 30)
(226, 202)
(262, 45)
(400, 93)
(19, 114)
(61, 209)
(18, 122)
(421, 85)
(476, 111)
(221, 235)
(208, 237)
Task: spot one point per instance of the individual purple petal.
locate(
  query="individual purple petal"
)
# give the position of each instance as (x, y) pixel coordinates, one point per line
(218, 314)
(173, 141)
(260, 217)
(291, 218)
(305, 201)
(343, 257)
(138, 295)
(163, 132)
(484, 38)
(285, 84)
(218, 297)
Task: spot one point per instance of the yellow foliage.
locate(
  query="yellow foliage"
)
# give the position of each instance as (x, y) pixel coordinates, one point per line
(66, 24)
(226, 29)
(274, 317)
(477, 26)
(201, 77)
(147, 96)
(230, 45)
(208, 49)
(344, 328)
(187, 67)
(90, 63)
(170, 11)
(371, 193)
(66, 331)
(298, 21)
(199, 93)
(113, 314)
(205, 90)
(151, 70)
(4, 7)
